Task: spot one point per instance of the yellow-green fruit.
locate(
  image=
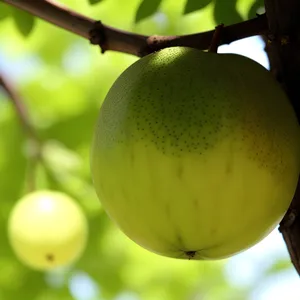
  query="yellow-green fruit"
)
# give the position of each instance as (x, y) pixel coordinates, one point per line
(47, 229)
(196, 154)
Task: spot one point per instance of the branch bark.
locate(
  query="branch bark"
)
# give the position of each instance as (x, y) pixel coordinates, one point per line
(283, 50)
(19, 107)
(123, 41)
(33, 139)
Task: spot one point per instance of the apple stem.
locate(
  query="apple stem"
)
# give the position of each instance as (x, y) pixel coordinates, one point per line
(34, 142)
(216, 39)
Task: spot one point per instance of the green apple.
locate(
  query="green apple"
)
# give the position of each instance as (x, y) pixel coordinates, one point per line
(47, 229)
(196, 154)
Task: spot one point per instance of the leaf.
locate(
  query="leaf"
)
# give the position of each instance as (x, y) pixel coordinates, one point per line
(62, 42)
(256, 6)
(193, 5)
(92, 2)
(279, 266)
(146, 9)
(5, 11)
(225, 12)
(24, 21)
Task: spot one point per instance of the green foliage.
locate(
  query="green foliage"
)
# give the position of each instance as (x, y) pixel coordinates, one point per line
(4, 11)
(254, 9)
(226, 12)
(194, 5)
(63, 90)
(146, 9)
(24, 21)
(92, 2)
(278, 267)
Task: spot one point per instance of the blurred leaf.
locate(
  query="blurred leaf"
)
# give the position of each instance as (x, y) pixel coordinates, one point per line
(255, 8)
(225, 12)
(67, 99)
(193, 5)
(24, 21)
(105, 256)
(92, 2)
(65, 171)
(146, 9)
(61, 158)
(279, 266)
(74, 131)
(5, 11)
(50, 54)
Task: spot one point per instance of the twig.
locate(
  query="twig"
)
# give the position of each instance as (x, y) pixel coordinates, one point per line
(128, 42)
(283, 53)
(289, 227)
(217, 37)
(19, 106)
(34, 141)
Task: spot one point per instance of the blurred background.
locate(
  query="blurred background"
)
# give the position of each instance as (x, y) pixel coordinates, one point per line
(63, 80)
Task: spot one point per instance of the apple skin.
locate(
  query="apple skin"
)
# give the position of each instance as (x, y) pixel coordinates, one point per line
(196, 155)
(47, 229)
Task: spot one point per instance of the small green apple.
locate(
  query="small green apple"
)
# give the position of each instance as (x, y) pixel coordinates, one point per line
(47, 229)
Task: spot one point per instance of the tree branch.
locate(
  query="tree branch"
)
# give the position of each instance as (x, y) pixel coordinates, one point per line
(32, 136)
(19, 107)
(283, 50)
(114, 39)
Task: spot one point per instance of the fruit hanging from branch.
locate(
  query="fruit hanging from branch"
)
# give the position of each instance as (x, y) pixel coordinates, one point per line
(47, 230)
(196, 154)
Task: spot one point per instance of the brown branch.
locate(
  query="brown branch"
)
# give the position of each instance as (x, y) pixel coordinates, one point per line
(217, 37)
(128, 42)
(32, 136)
(19, 107)
(283, 50)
